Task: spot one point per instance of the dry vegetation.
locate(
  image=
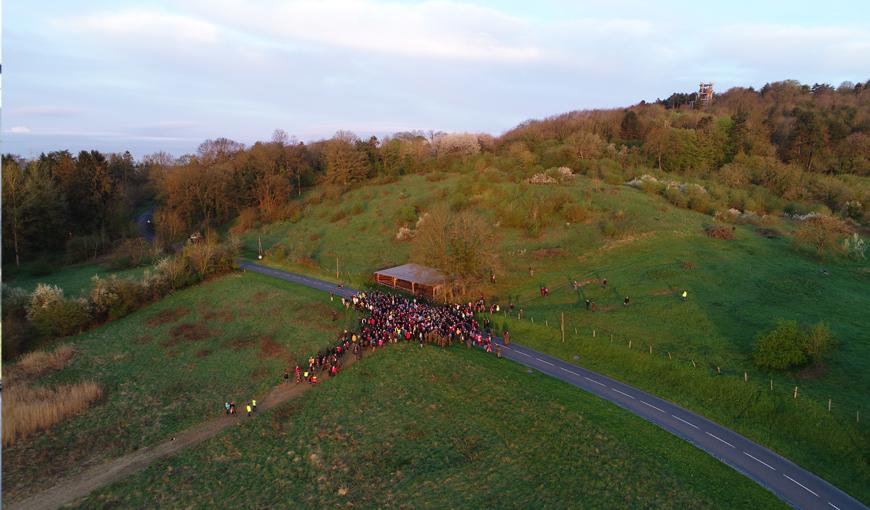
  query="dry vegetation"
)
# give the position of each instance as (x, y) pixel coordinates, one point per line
(28, 408)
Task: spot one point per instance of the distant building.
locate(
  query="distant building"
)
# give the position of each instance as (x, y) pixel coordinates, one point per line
(413, 278)
(705, 94)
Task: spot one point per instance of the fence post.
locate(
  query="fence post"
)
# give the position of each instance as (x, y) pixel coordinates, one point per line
(669, 355)
(593, 333)
(795, 392)
(693, 364)
(563, 327)
(650, 348)
(546, 323)
(771, 385)
(718, 370)
(745, 377)
(829, 405)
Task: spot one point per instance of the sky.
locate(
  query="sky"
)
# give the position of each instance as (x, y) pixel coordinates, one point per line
(148, 76)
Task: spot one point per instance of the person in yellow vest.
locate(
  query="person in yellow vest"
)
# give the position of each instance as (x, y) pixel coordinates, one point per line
(248, 408)
(685, 295)
(254, 404)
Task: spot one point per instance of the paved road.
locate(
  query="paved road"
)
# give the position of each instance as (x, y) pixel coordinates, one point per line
(145, 226)
(793, 484)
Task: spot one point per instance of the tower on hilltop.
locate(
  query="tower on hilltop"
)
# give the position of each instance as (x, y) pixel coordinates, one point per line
(705, 94)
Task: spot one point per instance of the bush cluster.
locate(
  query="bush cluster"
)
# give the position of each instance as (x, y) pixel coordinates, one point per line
(788, 345)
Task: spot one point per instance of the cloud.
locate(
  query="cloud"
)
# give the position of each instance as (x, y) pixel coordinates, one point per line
(19, 130)
(784, 48)
(142, 26)
(46, 111)
(431, 29)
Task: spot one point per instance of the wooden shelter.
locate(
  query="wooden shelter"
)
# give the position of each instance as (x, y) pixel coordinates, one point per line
(414, 278)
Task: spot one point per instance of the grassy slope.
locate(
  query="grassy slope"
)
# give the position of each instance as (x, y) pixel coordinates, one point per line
(736, 288)
(158, 383)
(72, 279)
(412, 428)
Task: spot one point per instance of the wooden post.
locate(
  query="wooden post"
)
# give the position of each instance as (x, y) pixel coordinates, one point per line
(771, 385)
(829, 405)
(547, 323)
(629, 344)
(745, 377)
(593, 333)
(563, 327)
(336, 267)
(693, 364)
(650, 348)
(718, 370)
(795, 392)
(669, 355)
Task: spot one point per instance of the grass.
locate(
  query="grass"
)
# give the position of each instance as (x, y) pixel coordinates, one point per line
(74, 279)
(28, 409)
(170, 365)
(431, 428)
(650, 251)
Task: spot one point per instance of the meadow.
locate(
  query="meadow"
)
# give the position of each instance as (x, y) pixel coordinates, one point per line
(431, 428)
(73, 279)
(170, 365)
(649, 251)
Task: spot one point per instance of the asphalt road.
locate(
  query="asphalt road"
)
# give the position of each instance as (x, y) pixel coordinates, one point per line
(793, 484)
(144, 225)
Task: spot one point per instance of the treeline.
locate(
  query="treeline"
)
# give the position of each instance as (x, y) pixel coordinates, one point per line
(785, 148)
(77, 205)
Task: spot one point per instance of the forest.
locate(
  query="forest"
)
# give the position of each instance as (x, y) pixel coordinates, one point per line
(787, 148)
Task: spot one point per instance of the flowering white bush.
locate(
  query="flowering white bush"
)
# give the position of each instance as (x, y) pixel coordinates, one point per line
(43, 298)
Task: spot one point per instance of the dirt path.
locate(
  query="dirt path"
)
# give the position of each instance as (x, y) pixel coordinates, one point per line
(84, 483)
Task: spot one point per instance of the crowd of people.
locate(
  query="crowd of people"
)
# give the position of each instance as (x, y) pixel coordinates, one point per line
(388, 318)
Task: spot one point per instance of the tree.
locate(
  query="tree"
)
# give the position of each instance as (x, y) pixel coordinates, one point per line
(781, 348)
(461, 245)
(630, 126)
(821, 233)
(13, 202)
(345, 164)
(818, 341)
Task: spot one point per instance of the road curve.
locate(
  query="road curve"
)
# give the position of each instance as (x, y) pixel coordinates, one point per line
(145, 226)
(791, 483)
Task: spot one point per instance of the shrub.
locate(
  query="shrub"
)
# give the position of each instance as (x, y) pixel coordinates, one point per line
(130, 253)
(114, 297)
(719, 231)
(575, 213)
(62, 317)
(247, 220)
(818, 341)
(781, 348)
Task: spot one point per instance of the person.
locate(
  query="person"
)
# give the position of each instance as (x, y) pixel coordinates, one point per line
(287, 375)
(232, 407)
(604, 283)
(592, 306)
(248, 408)
(506, 335)
(498, 351)
(574, 284)
(333, 371)
(521, 313)
(492, 277)
(331, 297)
(588, 303)
(298, 374)
(227, 406)
(254, 404)
(685, 295)
(625, 301)
(531, 272)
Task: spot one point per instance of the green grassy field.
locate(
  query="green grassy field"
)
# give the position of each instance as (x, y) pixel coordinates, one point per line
(171, 365)
(72, 279)
(430, 428)
(737, 288)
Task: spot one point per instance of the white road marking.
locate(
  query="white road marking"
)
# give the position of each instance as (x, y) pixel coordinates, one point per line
(596, 382)
(758, 460)
(720, 439)
(623, 393)
(569, 371)
(524, 354)
(833, 506)
(543, 361)
(654, 407)
(802, 485)
(684, 421)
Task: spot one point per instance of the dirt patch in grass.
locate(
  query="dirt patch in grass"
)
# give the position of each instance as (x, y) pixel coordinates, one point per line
(724, 232)
(769, 233)
(242, 342)
(549, 252)
(661, 292)
(688, 265)
(186, 332)
(814, 371)
(143, 339)
(259, 373)
(262, 295)
(222, 316)
(269, 348)
(166, 316)
(203, 353)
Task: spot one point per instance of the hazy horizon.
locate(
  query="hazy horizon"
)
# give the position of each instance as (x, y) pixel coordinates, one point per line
(167, 75)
